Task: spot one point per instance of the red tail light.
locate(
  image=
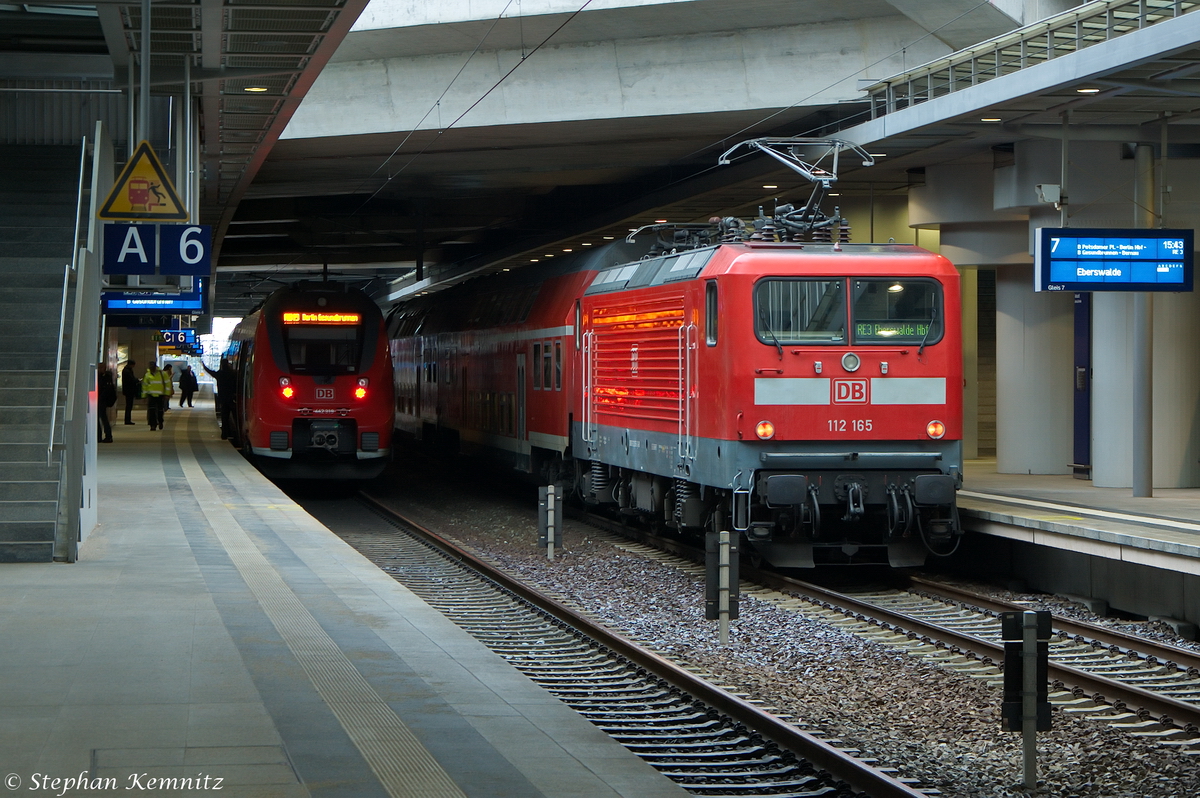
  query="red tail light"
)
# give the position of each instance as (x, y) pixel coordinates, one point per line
(360, 392)
(288, 392)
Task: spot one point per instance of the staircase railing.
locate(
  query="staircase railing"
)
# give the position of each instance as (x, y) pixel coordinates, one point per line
(77, 493)
(68, 270)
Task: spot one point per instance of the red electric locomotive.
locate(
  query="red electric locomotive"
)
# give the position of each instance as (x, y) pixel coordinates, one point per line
(806, 395)
(314, 390)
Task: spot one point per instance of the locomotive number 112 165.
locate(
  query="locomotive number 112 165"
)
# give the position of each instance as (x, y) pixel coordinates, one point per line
(849, 425)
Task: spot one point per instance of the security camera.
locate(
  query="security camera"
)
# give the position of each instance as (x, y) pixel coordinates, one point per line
(1049, 192)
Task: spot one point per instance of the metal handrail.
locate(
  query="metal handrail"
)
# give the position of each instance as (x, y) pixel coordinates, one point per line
(1011, 52)
(62, 314)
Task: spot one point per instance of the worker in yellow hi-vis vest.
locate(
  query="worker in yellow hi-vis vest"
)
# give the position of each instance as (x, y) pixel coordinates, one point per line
(156, 387)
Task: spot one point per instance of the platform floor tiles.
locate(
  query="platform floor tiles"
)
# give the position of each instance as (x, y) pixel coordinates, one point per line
(214, 630)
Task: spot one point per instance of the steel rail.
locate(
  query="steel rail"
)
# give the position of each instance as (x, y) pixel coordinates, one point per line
(1167, 710)
(1163, 652)
(841, 765)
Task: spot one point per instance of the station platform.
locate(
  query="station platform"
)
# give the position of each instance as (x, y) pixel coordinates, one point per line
(1061, 512)
(214, 631)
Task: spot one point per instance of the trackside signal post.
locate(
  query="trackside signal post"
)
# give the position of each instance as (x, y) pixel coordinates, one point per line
(1026, 700)
(550, 500)
(721, 580)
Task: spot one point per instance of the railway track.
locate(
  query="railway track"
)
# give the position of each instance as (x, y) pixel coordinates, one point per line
(710, 741)
(1141, 686)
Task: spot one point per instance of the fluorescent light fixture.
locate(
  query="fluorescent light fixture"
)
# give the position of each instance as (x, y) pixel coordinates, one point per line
(770, 186)
(990, 119)
(255, 88)
(1088, 91)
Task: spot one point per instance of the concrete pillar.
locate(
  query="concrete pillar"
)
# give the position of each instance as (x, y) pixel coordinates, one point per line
(1034, 356)
(1176, 428)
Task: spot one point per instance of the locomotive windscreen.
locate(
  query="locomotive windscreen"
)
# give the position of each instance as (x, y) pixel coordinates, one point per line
(896, 310)
(323, 349)
(800, 311)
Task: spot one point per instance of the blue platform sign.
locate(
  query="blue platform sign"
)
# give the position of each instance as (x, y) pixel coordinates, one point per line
(185, 249)
(157, 249)
(1102, 259)
(130, 248)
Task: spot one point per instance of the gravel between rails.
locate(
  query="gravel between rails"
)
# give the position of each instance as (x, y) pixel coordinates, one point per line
(926, 721)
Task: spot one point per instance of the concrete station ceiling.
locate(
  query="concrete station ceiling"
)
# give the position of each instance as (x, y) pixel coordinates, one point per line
(470, 199)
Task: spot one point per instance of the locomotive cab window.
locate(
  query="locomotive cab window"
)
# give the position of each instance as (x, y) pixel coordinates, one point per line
(897, 311)
(710, 313)
(788, 311)
(322, 349)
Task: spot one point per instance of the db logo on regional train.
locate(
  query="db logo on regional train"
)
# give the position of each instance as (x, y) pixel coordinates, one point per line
(324, 393)
(850, 392)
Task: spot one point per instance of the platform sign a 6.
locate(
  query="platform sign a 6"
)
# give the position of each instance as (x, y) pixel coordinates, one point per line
(185, 249)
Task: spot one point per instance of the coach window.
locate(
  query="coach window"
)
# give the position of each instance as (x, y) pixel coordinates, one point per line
(790, 311)
(558, 365)
(537, 370)
(710, 313)
(547, 367)
(896, 310)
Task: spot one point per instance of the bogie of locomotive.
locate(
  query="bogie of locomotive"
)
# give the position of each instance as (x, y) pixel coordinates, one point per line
(314, 393)
(807, 396)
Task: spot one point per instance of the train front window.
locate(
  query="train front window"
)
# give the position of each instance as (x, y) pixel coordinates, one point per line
(800, 311)
(897, 311)
(323, 349)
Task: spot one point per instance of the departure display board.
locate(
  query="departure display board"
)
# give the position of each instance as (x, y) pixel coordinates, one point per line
(1103, 259)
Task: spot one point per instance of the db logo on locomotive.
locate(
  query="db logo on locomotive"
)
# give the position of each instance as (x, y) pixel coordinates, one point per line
(850, 392)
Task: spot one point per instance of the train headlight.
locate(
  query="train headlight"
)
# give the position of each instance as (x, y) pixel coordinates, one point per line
(288, 391)
(285, 381)
(360, 392)
(851, 361)
(765, 430)
(935, 429)
(363, 382)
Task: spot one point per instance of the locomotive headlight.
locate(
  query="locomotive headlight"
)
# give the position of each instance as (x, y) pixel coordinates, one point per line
(850, 361)
(284, 381)
(364, 382)
(360, 392)
(288, 392)
(765, 430)
(935, 429)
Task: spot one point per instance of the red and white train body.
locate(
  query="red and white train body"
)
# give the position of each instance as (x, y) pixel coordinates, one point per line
(314, 391)
(805, 395)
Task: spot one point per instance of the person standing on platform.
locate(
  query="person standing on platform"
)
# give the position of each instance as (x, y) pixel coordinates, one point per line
(156, 386)
(106, 397)
(131, 388)
(225, 378)
(169, 370)
(187, 385)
